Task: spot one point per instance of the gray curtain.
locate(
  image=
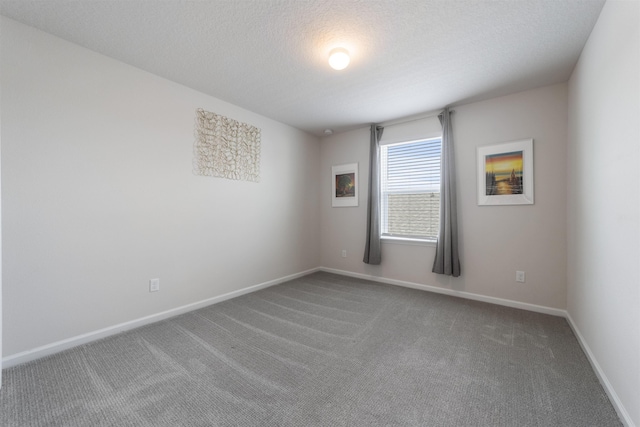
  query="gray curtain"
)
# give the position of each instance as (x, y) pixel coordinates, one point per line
(447, 260)
(372, 252)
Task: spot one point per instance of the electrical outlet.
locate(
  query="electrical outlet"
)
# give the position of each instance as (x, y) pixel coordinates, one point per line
(154, 285)
(520, 276)
(344, 253)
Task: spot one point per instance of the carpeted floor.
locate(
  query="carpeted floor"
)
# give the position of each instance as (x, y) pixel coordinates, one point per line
(322, 350)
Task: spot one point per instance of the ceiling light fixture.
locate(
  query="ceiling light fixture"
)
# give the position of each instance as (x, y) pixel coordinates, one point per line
(339, 58)
(328, 132)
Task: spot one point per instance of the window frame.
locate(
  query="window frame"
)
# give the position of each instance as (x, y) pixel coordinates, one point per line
(383, 206)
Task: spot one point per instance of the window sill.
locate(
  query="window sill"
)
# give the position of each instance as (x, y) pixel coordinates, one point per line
(407, 241)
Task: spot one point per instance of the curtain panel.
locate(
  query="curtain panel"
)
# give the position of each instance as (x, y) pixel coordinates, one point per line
(447, 261)
(372, 249)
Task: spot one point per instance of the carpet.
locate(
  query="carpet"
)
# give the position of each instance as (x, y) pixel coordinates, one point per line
(321, 350)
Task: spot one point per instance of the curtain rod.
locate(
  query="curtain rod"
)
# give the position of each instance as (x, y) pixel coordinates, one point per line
(411, 119)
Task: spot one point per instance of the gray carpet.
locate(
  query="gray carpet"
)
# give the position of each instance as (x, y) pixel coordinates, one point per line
(322, 350)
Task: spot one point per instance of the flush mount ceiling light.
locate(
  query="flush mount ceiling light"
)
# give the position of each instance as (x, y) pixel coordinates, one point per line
(339, 58)
(328, 132)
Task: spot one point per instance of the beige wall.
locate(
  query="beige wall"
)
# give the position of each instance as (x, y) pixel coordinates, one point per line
(604, 202)
(495, 240)
(99, 197)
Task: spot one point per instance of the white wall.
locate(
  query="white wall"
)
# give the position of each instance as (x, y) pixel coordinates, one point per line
(0, 223)
(495, 240)
(99, 197)
(604, 214)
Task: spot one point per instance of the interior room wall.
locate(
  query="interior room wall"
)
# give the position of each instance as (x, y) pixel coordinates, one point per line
(0, 233)
(495, 240)
(99, 196)
(604, 202)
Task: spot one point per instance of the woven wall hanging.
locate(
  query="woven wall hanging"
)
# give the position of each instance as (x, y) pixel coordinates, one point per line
(226, 148)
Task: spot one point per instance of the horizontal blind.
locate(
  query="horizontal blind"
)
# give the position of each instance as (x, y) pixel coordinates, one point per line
(410, 189)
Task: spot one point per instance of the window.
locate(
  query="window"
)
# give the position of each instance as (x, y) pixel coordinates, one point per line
(410, 189)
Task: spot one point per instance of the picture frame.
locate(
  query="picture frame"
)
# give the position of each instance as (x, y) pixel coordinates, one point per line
(505, 173)
(344, 185)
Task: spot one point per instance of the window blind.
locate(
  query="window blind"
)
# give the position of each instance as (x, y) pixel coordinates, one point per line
(410, 189)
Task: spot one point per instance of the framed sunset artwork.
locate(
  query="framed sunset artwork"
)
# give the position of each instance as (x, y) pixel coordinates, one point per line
(505, 173)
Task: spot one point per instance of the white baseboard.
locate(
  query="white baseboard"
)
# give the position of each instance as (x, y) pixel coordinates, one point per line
(451, 292)
(56, 347)
(608, 388)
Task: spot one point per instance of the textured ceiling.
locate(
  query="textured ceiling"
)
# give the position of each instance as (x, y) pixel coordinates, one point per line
(270, 56)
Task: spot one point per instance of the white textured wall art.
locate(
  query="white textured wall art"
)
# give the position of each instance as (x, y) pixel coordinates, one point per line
(226, 148)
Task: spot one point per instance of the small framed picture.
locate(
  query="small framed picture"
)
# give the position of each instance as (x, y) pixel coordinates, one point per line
(505, 173)
(344, 183)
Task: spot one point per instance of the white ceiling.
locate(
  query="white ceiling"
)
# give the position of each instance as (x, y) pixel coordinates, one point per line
(270, 56)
